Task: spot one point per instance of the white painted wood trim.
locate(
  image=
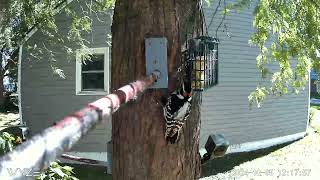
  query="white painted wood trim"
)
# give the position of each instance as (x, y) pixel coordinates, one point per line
(107, 70)
(31, 33)
(105, 52)
(92, 93)
(19, 85)
(100, 156)
(78, 74)
(309, 89)
(255, 145)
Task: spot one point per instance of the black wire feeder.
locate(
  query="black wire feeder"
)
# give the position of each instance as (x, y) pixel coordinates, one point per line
(203, 56)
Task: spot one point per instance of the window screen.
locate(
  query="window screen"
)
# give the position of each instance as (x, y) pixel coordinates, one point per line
(92, 73)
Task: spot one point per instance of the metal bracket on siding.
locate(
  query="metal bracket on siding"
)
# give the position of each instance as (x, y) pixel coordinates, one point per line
(156, 60)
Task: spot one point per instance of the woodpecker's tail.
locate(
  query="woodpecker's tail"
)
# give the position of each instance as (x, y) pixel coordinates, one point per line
(172, 135)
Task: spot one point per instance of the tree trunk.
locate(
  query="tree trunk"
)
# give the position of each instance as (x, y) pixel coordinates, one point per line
(139, 148)
(3, 5)
(2, 98)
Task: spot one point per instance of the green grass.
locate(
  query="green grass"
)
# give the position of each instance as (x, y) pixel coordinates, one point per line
(314, 123)
(317, 96)
(82, 172)
(8, 119)
(87, 172)
(315, 106)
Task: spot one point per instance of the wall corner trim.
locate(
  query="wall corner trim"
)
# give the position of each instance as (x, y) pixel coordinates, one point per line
(19, 85)
(255, 145)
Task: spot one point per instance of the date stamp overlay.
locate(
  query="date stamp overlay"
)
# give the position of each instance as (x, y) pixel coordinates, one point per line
(275, 172)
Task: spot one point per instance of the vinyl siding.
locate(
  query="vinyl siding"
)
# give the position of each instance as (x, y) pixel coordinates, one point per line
(225, 107)
(46, 97)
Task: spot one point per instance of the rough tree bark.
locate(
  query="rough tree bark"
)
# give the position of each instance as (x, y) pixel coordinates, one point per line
(3, 5)
(139, 148)
(2, 98)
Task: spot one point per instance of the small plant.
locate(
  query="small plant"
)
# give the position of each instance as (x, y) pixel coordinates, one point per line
(314, 122)
(56, 171)
(7, 143)
(312, 113)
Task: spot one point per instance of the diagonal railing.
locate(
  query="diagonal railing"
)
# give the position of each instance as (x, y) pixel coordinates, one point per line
(42, 149)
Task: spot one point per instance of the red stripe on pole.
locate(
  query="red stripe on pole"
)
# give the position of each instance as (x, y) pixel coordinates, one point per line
(124, 94)
(43, 148)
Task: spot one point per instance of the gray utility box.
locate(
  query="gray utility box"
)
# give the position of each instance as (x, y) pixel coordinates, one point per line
(156, 60)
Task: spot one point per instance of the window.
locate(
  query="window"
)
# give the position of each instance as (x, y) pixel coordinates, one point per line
(92, 76)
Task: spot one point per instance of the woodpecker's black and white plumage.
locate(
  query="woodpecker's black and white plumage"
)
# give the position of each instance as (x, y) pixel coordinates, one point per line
(177, 109)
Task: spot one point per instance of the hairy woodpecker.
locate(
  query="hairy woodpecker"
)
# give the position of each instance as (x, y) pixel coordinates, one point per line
(177, 109)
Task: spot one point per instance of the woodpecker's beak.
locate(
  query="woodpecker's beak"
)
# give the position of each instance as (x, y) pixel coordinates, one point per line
(185, 94)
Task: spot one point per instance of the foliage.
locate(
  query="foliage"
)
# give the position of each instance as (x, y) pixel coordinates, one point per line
(7, 143)
(57, 171)
(314, 121)
(312, 112)
(288, 34)
(21, 17)
(258, 95)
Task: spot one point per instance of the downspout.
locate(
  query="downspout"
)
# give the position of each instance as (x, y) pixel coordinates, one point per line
(19, 86)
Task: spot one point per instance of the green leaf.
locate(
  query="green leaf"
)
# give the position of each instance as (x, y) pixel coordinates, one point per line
(58, 171)
(68, 168)
(208, 2)
(74, 178)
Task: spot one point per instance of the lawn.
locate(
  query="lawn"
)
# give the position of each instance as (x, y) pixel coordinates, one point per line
(298, 160)
(83, 172)
(8, 119)
(295, 160)
(315, 106)
(86, 172)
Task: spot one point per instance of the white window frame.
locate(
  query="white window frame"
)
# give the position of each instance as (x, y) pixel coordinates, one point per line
(105, 91)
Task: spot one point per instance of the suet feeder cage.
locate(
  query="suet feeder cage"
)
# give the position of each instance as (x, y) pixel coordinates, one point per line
(203, 55)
